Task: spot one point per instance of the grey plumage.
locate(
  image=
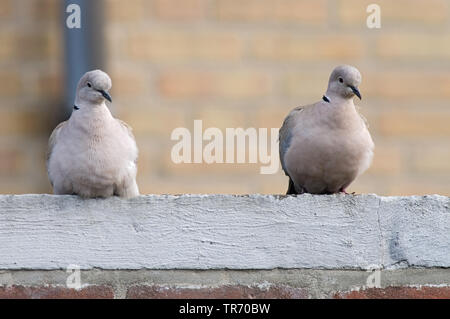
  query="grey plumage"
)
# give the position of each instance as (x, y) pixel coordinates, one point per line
(326, 145)
(93, 154)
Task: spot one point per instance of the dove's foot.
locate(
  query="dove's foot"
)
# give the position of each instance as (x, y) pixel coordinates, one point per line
(342, 190)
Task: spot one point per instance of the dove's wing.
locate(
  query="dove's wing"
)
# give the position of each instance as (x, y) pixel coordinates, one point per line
(129, 130)
(285, 134)
(129, 188)
(52, 142)
(363, 118)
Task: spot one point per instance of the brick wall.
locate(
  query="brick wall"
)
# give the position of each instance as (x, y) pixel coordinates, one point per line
(31, 91)
(236, 64)
(264, 291)
(225, 246)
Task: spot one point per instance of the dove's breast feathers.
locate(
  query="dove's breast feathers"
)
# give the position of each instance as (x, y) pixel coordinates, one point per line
(324, 147)
(93, 150)
(93, 154)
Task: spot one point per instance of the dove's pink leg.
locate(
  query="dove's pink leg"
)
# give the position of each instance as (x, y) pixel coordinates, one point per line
(342, 190)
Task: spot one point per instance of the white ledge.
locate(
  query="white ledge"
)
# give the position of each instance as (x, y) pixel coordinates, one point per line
(224, 231)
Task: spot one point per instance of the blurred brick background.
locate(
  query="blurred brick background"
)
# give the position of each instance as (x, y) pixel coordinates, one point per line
(235, 63)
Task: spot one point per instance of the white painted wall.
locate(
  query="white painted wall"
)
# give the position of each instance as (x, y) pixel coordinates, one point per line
(224, 231)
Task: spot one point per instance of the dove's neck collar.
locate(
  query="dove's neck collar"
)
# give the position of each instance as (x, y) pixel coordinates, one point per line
(326, 99)
(87, 106)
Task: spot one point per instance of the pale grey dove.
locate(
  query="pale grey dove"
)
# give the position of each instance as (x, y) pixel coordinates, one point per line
(326, 145)
(93, 154)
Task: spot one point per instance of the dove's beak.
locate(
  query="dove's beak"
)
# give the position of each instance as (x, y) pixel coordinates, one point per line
(106, 95)
(356, 91)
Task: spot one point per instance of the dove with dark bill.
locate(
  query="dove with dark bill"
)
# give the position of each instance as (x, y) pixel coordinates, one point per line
(326, 145)
(93, 154)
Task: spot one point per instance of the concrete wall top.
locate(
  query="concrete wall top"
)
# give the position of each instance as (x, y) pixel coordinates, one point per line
(224, 232)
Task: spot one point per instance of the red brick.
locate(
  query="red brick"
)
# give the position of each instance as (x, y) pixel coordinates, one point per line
(17, 122)
(225, 84)
(174, 184)
(56, 292)
(407, 84)
(284, 11)
(186, 9)
(181, 46)
(35, 46)
(11, 161)
(412, 123)
(46, 10)
(282, 47)
(225, 292)
(7, 39)
(11, 83)
(47, 85)
(418, 46)
(118, 11)
(6, 8)
(398, 293)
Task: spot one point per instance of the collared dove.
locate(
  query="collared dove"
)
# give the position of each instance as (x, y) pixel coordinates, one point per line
(93, 154)
(326, 145)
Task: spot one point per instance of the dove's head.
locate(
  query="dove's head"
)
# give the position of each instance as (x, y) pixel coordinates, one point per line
(344, 82)
(93, 88)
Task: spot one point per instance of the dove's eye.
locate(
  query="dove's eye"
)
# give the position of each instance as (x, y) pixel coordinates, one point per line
(341, 80)
(89, 84)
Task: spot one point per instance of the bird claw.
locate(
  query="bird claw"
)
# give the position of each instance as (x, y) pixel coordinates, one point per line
(345, 192)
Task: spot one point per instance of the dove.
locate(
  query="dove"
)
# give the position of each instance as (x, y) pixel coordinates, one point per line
(325, 146)
(93, 154)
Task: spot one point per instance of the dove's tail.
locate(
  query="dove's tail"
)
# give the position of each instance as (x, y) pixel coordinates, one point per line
(291, 189)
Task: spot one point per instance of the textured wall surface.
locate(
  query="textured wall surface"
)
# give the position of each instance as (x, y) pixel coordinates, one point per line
(224, 231)
(275, 283)
(235, 63)
(31, 90)
(224, 246)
